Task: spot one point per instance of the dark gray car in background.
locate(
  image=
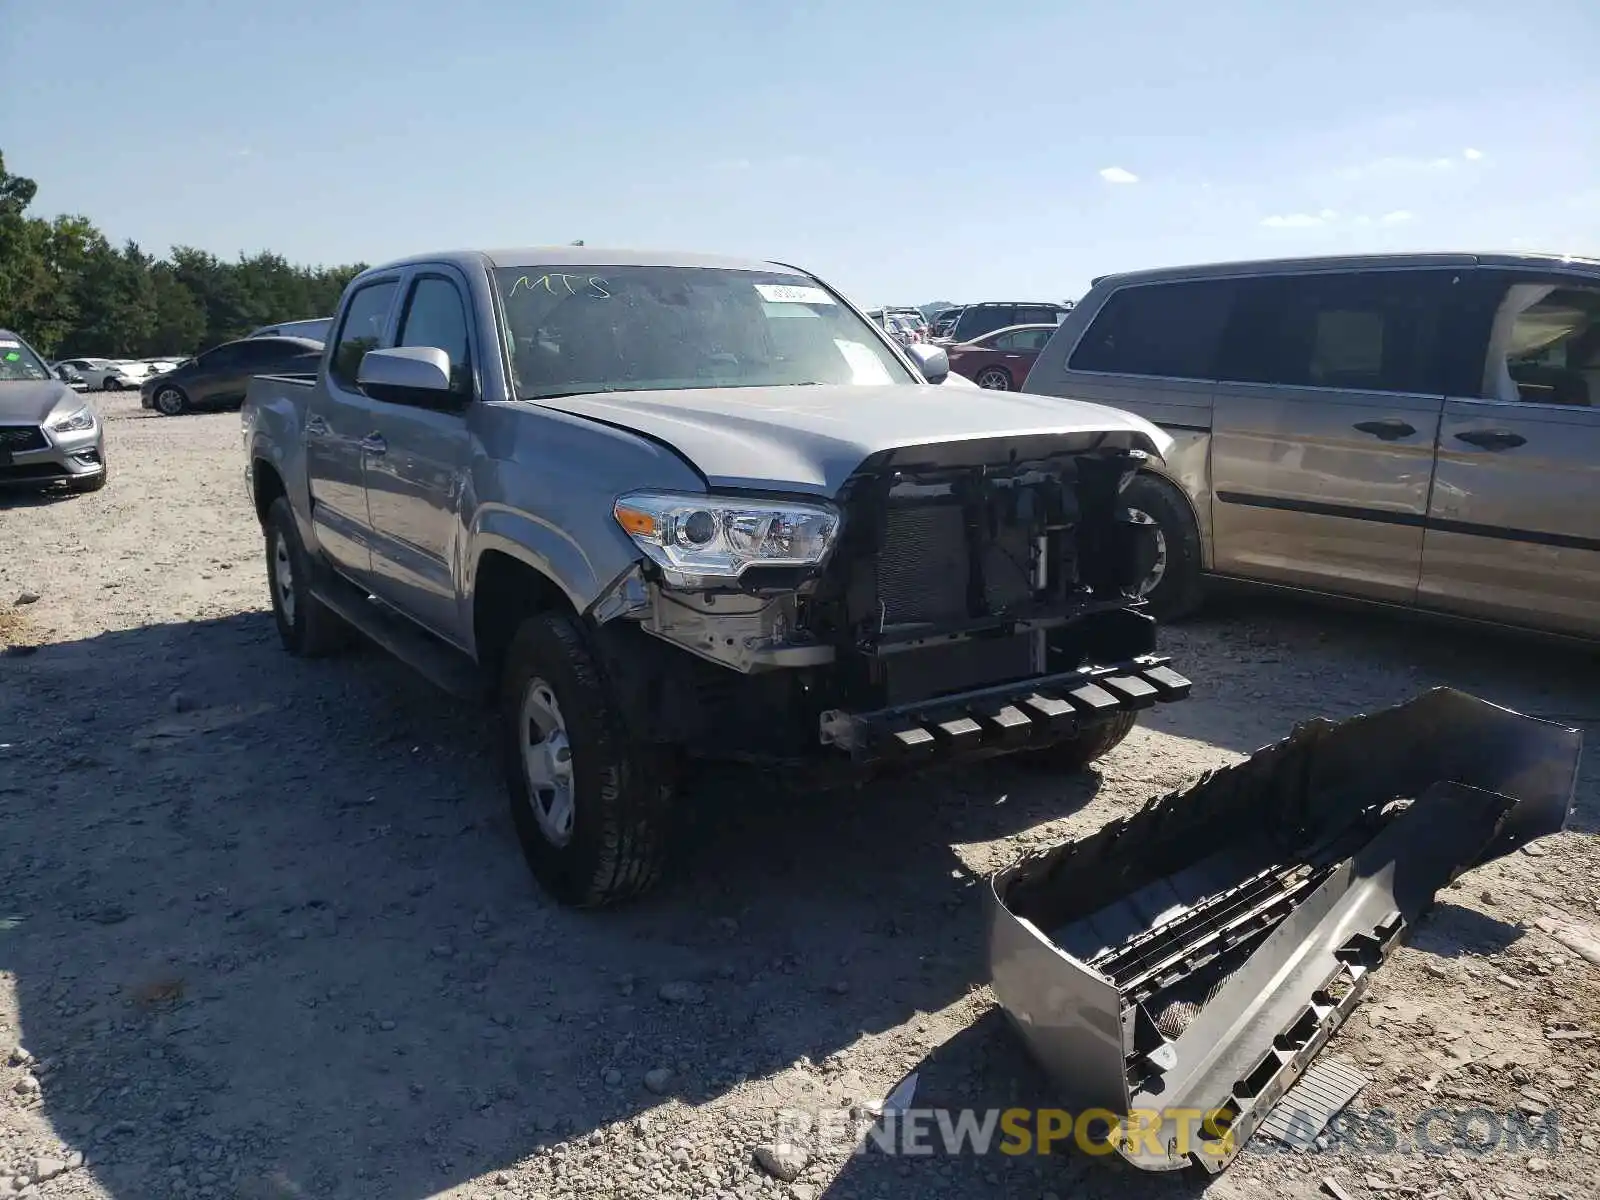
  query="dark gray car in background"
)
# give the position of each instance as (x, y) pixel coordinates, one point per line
(49, 434)
(217, 378)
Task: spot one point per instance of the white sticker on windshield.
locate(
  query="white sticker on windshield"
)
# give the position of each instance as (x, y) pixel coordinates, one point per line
(9, 345)
(788, 293)
(865, 366)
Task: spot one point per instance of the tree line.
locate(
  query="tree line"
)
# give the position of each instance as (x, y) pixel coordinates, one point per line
(71, 293)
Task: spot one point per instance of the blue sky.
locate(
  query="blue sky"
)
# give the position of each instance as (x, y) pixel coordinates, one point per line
(904, 151)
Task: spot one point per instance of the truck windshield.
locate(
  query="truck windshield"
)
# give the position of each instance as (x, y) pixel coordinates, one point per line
(18, 364)
(610, 328)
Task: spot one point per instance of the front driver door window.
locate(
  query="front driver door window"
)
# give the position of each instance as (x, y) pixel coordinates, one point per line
(414, 484)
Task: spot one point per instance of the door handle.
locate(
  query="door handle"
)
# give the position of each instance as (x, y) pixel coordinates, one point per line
(316, 426)
(373, 443)
(1492, 439)
(1388, 429)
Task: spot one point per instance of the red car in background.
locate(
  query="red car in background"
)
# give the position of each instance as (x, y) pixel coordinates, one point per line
(1000, 361)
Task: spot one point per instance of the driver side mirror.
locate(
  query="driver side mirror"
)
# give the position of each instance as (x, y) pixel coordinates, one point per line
(931, 360)
(415, 375)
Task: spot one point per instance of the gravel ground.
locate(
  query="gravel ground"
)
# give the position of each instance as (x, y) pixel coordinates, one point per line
(265, 932)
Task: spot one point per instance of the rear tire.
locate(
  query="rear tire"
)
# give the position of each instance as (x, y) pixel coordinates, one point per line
(1177, 591)
(999, 379)
(307, 627)
(1078, 751)
(593, 806)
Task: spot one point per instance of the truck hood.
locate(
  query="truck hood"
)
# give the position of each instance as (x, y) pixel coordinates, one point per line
(813, 438)
(32, 402)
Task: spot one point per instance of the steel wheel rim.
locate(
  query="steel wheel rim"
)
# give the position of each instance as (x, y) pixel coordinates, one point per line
(283, 577)
(997, 381)
(168, 402)
(1158, 570)
(547, 763)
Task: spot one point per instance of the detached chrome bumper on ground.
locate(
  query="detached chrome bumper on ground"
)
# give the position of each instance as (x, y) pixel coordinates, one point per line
(1192, 959)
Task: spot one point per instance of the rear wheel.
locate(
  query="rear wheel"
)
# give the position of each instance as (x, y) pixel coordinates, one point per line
(593, 807)
(996, 379)
(307, 627)
(1172, 589)
(1090, 743)
(108, 384)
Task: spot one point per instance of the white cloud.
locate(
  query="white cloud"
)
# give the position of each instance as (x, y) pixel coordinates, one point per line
(1471, 155)
(1294, 221)
(1118, 175)
(1398, 217)
(1328, 214)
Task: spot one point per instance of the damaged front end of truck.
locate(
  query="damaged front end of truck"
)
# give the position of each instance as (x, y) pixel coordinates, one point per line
(1191, 960)
(976, 597)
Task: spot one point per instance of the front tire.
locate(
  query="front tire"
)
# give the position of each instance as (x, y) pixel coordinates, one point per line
(169, 402)
(1081, 749)
(995, 379)
(109, 384)
(593, 807)
(307, 627)
(1173, 589)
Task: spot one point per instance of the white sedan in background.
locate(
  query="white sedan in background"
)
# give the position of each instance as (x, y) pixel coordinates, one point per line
(109, 374)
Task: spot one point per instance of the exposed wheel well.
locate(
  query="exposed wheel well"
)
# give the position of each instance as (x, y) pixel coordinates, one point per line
(268, 486)
(506, 591)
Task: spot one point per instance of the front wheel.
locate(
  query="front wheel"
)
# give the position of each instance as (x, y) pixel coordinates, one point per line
(996, 379)
(109, 384)
(1173, 587)
(1081, 749)
(592, 806)
(170, 402)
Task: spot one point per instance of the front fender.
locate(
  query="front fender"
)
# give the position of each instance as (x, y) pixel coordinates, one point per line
(551, 551)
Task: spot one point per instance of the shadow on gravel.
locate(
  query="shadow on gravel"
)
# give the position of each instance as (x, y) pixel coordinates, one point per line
(984, 1068)
(272, 933)
(1452, 931)
(273, 937)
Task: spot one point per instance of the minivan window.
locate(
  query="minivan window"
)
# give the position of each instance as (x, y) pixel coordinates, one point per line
(1164, 329)
(365, 319)
(1372, 331)
(1544, 347)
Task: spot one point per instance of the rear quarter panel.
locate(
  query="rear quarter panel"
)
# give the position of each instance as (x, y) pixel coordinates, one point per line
(1181, 407)
(273, 418)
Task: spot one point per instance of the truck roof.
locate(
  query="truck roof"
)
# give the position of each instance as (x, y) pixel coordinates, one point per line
(589, 256)
(1273, 266)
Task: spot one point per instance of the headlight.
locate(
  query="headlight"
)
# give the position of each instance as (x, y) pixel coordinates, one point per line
(700, 541)
(75, 423)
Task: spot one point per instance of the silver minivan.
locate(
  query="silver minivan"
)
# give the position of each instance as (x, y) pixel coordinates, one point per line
(1420, 430)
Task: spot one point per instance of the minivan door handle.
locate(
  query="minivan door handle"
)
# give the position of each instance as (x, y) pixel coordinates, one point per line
(1492, 439)
(1389, 429)
(373, 443)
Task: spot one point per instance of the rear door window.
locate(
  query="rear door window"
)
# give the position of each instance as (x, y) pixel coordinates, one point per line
(1037, 314)
(1170, 330)
(366, 319)
(1371, 331)
(982, 319)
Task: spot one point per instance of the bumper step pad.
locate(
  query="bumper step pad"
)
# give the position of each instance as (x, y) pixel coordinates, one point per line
(999, 719)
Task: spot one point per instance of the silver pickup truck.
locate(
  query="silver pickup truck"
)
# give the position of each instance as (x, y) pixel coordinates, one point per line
(660, 507)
